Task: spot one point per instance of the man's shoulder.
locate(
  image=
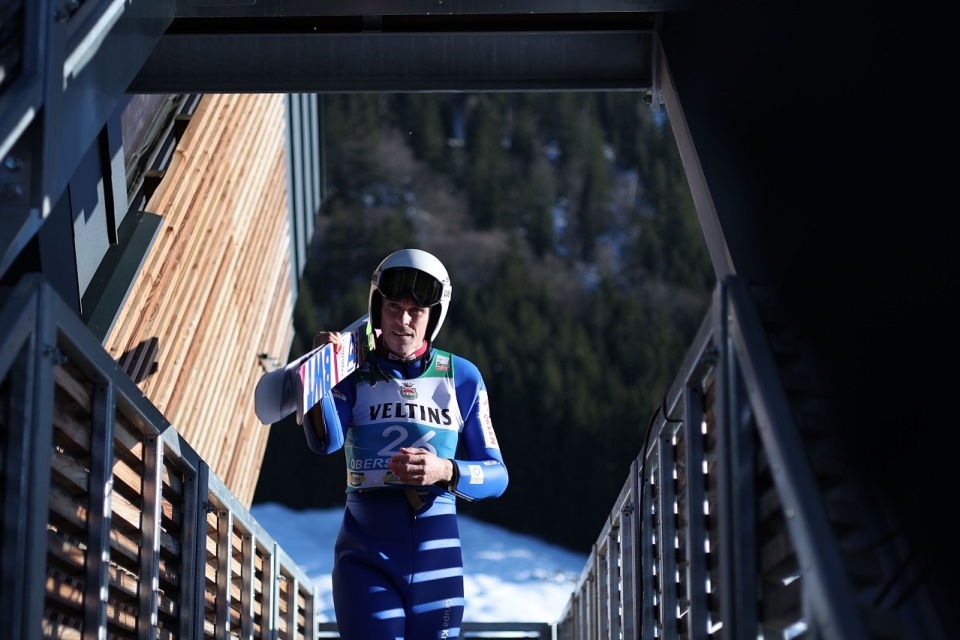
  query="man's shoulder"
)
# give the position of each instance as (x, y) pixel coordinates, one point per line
(461, 367)
(463, 362)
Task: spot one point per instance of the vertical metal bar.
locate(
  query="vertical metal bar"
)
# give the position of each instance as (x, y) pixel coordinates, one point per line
(629, 543)
(21, 593)
(293, 588)
(745, 502)
(247, 570)
(317, 172)
(573, 621)
(603, 610)
(648, 561)
(194, 553)
(269, 595)
(668, 535)
(588, 620)
(96, 588)
(57, 161)
(16, 456)
(38, 423)
(310, 615)
(583, 619)
(224, 554)
(725, 511)
(613, 580)
(577, 632)
(737, 503)
(297, 180)
(695, 516)
(150, 536)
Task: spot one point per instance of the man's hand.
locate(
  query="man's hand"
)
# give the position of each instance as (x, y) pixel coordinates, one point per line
(419, 467)
(327, 337)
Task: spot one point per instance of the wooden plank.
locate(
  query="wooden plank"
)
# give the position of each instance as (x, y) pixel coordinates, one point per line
(215, 290)
(234, 447)
(165, 260)
(190, 289)
(231, 322)
(224, 332)
(217, 411)
(134, 319)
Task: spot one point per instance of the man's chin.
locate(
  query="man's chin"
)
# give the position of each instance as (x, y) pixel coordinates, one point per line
(401, 348)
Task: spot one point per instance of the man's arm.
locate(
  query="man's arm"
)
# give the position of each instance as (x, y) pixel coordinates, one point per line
(480, 472)
(321, 423)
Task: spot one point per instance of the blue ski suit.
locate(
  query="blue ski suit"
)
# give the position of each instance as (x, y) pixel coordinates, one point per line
(398, 566)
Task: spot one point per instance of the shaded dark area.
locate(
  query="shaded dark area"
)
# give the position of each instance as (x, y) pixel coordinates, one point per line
(837, 191)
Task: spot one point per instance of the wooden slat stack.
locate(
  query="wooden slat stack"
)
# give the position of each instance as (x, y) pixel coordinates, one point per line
(214, 292)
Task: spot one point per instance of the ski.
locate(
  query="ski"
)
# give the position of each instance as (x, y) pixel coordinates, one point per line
(301, 383)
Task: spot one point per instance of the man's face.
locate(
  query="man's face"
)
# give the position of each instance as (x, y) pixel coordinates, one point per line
(403, 325)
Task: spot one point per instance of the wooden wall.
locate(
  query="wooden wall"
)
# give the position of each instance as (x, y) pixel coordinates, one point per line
(214, 292)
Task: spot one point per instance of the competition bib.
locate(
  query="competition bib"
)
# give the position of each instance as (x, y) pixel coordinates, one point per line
(422, 412)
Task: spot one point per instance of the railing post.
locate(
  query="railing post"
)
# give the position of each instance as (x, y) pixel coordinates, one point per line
(224, 557)
(247, 579)
(696, 578)
(270, 593)
(645, 523)
(150, 536)
(629, 566)
(27, 361)
(193, 575)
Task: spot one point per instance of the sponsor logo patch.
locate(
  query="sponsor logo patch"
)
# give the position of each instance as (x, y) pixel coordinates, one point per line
(489, 437)
(476, 474)
(408, 391)
(443, 363)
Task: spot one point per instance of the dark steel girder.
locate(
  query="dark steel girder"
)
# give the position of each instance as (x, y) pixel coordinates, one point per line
(250, 63)
(411, 53)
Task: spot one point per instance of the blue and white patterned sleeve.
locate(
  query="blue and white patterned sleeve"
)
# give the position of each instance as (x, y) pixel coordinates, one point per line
(323, 425)
(479, 468)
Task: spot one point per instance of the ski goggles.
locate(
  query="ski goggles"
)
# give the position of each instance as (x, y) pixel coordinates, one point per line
(397, 282)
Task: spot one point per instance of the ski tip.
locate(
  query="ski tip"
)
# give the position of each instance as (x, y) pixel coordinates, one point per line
(267, 397)
(273, 397)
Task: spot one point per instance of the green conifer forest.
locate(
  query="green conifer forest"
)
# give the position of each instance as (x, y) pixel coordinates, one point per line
(580, 276)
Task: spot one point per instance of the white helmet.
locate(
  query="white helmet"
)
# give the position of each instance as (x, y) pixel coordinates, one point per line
(417, 274)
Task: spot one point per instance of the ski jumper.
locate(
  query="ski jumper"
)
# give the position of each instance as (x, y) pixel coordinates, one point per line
(398, 567)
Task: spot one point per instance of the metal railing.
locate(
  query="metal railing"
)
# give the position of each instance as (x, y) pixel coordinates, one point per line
(112, 525)
(721, 528)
